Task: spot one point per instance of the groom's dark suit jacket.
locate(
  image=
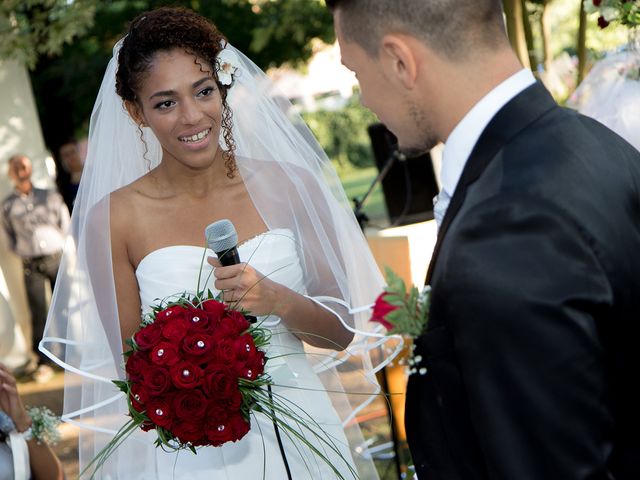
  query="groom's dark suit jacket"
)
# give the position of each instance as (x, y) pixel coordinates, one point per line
(533, 344)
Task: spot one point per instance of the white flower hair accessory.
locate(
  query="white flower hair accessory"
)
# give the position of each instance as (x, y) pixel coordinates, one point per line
(227, 63)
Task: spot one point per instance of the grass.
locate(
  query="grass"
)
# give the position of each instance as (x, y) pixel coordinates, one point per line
(356, 182)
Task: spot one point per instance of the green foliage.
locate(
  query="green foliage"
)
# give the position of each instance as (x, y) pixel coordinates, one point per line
(343, 133)
(29, 29)
(269, 32)
(411, 314)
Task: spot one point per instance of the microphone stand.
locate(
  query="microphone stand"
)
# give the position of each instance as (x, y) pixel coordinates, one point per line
(362, 217)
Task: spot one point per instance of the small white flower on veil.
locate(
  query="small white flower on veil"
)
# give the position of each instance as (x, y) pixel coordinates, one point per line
(227, 64)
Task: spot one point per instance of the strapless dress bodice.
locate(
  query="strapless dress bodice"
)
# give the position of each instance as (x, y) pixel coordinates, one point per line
(177, 269)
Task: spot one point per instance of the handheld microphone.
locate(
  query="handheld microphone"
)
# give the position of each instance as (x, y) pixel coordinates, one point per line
(222, 238)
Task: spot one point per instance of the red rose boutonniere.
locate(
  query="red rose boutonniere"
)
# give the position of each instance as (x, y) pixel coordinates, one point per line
(403, 312)
(400, 311)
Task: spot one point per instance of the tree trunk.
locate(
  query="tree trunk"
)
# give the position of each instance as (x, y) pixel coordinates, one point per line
(546, 35)
(528, 35)
(581, 47)
(515, 30)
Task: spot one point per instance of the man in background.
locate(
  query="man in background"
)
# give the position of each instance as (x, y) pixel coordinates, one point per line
(68, 178)
(35, 222)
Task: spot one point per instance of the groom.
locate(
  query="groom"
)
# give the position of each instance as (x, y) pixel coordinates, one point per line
(531, 351)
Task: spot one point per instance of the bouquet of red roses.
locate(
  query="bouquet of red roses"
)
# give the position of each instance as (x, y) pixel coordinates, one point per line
(195, 372)
(191, 372)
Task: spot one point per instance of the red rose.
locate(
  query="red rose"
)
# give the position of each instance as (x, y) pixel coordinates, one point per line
(240, 322)
(159, 412)
(139, 396)
(225, 330)
(190, 405)
(186, 375)
(220, 382)
(224, 352)
(239, 426)
(197, 345)
(156, 380)
(250, 372)
(175, 330)
(216, 429)
(215, 310)
(192, 432)
(165, 353)
(197, 319)
(256, 364)
(380, 310)
(136, 364)
(171, 313)
(244, 347)
(231, 403)
(147, 337)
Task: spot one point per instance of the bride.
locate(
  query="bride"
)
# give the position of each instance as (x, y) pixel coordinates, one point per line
(195, 136)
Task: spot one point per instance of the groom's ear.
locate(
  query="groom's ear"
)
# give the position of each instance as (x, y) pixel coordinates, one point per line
(399, 60)
(135, 112)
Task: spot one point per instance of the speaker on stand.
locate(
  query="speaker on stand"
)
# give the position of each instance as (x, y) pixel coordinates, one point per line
(409, 183)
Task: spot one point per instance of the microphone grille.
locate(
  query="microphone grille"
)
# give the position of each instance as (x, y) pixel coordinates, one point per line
(221, 235)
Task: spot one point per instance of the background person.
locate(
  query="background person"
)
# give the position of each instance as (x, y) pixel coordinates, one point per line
(35, 222)
(72, 163)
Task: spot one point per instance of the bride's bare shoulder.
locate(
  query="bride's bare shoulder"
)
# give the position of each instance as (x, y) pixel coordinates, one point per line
(124, 202)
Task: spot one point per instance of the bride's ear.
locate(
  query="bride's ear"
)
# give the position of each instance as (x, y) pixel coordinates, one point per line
(135, 112)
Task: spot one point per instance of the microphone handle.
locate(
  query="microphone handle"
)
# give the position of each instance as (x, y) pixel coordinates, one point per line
(228, 258)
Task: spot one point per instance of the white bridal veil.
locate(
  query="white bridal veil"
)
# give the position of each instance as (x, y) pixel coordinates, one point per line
(293, 186)
(610, 93)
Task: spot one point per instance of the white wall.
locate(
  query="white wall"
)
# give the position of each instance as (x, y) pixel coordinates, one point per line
(19, 133)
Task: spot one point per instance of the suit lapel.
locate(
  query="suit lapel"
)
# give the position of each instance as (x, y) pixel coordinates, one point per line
(517, 114)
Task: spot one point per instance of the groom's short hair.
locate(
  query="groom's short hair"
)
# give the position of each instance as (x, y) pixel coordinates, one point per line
(451, 27)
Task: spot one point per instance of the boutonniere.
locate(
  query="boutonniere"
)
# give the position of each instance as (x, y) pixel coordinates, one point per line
(403, 312)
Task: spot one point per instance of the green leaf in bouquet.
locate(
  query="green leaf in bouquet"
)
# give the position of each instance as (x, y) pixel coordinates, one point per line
(122, 385)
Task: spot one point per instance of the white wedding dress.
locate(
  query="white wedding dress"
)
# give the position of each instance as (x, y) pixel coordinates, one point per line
(174, 270)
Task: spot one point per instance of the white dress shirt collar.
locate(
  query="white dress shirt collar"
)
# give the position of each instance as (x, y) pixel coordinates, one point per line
(465, 135)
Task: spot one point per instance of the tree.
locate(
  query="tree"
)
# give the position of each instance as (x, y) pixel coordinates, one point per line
(515, 28)
(29, 29)
(581, 44)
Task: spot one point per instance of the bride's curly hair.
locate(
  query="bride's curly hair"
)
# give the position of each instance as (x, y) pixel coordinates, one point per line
(164, 29)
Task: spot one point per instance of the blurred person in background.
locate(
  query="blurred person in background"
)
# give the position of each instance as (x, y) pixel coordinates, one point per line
(68, 178)
(35, 222)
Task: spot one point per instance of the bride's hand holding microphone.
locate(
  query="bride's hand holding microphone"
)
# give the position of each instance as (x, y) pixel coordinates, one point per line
(244, 287)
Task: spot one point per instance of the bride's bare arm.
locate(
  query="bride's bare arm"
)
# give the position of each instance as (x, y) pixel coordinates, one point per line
(261, 296)
(124, 276)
